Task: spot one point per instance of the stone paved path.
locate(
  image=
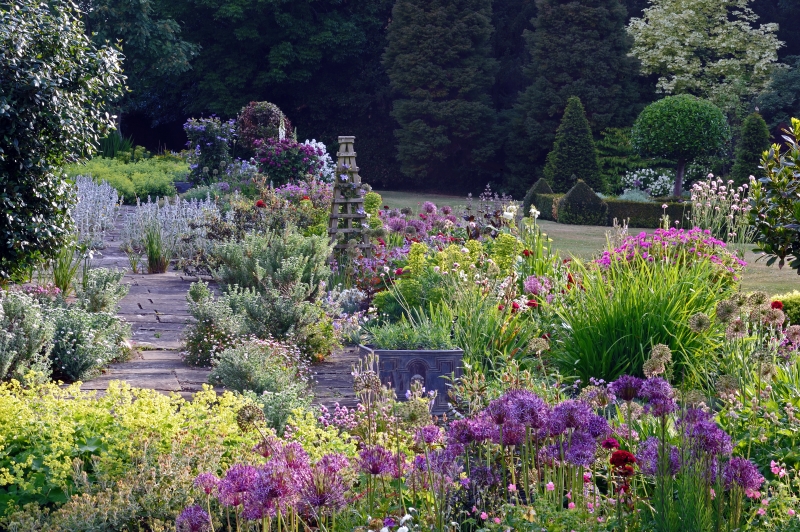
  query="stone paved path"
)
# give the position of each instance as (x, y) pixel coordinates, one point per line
(157, 310)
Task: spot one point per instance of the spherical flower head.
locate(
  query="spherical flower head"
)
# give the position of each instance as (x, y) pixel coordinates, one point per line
(333, 463)
(598, 426)
(661, 352)
(742, 473)
(647, 457)
(653, 367)
(527, 409)
(627, 387)
(582, 448)
(699, 322)
(428, 435)
(429, 207)
(375, 460)
(736, 329)
(193, 519)
(757, 298)
(513, 433)
(499, 410)
(460, 431)
(707, 437)
(726, 310)
(659, 396)
(206, 482)
(237, 482)
(774, 317)
(777, 304)
(260, 204)
(621, 458)
(569, 414)
(793, 334)
(610, 443)
(249, 416)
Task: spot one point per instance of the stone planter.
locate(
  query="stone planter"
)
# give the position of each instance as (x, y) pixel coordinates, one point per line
(399, 368)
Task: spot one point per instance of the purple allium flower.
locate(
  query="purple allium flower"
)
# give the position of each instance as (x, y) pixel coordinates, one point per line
(376, 460)
(193, 519)
(538, 286)
(429, 207)
(528, 409)
(428, 435)
(569, 414)
(598, 426)
(647, 457)
(237, 482)
(499, 410)
(396, 225)
(708, 437)
(295, 456)
(513, 433)
(659, 396)
(483, 476)
(447, 210)
(742, 473)
(627, 387)
(581, 449)
(322, 488)
(207, 482)
(333, 463)
(460, 431)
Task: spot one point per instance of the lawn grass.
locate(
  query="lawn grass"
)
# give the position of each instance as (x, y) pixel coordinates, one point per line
(586, 241)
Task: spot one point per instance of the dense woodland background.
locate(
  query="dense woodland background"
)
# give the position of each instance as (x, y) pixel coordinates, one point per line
(491, 77)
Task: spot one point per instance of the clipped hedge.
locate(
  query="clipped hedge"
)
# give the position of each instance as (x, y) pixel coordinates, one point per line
(644, 215)
(148, 177)
(791, 305)
(540, 187)
(581, 206)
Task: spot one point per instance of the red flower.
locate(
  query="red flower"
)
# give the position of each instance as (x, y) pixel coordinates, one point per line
(423, 216)
(260, 204)
(386, 207)
(620, 458)
(532, 303)
(546, 336)
(527, 252)
(500, 306)
(514, 306)
(610, 443)
(398, 271)
(306, 198)
(382, 242)
(777, 305)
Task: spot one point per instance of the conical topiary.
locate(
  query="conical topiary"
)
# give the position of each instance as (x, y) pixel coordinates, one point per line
(540, 187)
(573, 151)
(581, 206)
(752, 143)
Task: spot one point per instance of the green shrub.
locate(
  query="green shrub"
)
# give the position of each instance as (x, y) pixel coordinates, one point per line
(101, 290)
(581, 206)
(615, 156)
(149, 177)
(45, 428)
(274, 259)
(85, 341)
(791, 305)
(215, 329)
(544, 204)
(623, 310)
(372, 205)
(271, 370)
(540, 187)
(646, 215)
(573, 155)
(25, 336)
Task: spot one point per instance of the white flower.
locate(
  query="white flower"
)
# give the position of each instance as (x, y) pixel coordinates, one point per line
(534, 213)
(402, 529)
(508, 215)
(404, 519)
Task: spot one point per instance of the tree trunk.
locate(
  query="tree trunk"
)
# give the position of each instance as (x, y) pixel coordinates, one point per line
(678, 190)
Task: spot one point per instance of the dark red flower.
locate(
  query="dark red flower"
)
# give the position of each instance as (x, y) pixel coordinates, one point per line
(610, 443)
(306, 198)
(514, 306)
(386, 207)
(527, 252)
(500, 306)
(260, 204)
(532, 303)
(620, 458)
(777, 305)
(398, 271)
(382, 242)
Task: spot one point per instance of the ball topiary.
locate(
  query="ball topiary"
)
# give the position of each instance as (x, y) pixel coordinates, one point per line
(540, 187)
(581, 206)
(259, 121)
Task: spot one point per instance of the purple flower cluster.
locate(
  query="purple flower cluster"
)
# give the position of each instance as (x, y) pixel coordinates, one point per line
(742, 473)
(193, 519)
(539, 286)
(669, 245)
(647, 457)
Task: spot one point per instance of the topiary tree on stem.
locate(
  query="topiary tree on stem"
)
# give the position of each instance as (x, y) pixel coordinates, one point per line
(573, 155)
(55, 86)
(681, 128)
(753, 142)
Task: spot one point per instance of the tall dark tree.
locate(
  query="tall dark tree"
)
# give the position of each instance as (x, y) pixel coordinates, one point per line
(753, 140)
(573, 155)
(510, 18)
(781, 100)
(578, 48)
(439, 62)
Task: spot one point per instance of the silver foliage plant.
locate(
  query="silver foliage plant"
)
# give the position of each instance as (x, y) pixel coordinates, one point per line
(179, 221)
(96, 211)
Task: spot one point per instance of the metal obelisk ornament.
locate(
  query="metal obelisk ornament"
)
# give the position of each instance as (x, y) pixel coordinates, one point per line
(347, 226)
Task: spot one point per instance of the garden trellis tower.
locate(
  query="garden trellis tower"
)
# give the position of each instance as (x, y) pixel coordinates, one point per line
(346, 226)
